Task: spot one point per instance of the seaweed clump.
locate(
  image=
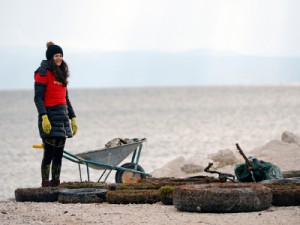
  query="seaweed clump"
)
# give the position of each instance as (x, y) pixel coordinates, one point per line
(166, 194)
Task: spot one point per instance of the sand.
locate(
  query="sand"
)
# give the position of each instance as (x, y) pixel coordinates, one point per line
(12, 212)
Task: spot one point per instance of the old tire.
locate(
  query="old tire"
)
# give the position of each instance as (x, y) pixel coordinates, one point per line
(84, 184)
(291, 173)
(83, 195)
(37, 194)
(171, 181)
(132, 196)
(123, 176)
(222, 198)
(281, 181)
(285, 192)
(135, 186)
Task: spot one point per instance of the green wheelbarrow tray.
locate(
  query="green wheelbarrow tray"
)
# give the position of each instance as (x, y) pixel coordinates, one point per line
(108, 159)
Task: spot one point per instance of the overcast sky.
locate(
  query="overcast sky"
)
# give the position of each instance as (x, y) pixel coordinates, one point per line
(256, 27)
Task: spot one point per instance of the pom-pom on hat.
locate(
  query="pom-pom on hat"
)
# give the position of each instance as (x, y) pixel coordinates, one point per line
(52, 49)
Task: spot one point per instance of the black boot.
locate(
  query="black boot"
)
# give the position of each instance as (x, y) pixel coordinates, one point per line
(55, 182)
(46, 183)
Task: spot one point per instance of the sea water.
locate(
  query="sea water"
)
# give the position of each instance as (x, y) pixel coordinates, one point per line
(177, 121)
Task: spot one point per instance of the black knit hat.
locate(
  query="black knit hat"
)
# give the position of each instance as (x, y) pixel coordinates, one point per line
(52, 49)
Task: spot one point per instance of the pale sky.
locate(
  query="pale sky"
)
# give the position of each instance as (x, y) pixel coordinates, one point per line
(255, 27)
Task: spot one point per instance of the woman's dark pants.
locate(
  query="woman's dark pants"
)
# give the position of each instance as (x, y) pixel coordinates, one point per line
(53, 153)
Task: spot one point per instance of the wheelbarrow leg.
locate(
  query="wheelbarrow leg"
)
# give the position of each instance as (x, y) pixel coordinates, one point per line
(107, 175)
(88, 171)
(103, 174)
(133, 156)
(138, 151)
(79, 168)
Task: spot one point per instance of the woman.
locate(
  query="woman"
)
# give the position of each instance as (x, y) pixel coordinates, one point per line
(55, 111)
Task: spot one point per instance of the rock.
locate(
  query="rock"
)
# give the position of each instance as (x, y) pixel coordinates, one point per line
(289, 137)
(284, 155)
(194, 164)
(171, 169)
(191, 168)
(223, 158)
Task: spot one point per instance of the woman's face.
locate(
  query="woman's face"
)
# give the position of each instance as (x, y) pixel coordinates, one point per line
(58, 59)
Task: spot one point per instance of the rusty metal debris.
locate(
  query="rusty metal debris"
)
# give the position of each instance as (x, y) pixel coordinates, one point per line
(223, 177)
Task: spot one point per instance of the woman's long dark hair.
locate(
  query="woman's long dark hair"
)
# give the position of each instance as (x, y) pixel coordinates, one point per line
(61, 72)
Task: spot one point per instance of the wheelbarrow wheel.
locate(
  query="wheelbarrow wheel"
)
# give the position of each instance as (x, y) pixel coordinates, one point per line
(123, 176)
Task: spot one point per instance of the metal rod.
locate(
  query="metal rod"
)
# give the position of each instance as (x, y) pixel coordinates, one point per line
(74, 156)
(79, 172)
(107, 175)
(88, 172)
(72, 160)
(138, 156)
(133, 156)
(139, 149)
(101, 175)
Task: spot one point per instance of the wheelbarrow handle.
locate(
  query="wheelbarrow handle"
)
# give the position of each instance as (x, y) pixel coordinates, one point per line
(37, 146)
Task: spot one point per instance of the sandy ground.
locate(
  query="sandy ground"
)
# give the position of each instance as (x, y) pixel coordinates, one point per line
(285, 155)
(12, 212)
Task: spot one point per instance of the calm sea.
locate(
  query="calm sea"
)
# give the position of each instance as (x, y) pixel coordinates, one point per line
(177, 121)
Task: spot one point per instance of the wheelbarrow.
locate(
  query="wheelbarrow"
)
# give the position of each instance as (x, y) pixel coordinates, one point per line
(108, 159)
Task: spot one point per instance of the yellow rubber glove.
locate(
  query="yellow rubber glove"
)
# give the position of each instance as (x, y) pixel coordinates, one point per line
(46, 125)
(74, 126)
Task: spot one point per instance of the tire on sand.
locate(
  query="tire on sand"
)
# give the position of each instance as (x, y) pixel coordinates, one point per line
(171, 181)
(285, 192)
(222, 197)
(82, 195)
(48, 194)
(133, 196)
(123, 176)
(293, 180)
(291, 173)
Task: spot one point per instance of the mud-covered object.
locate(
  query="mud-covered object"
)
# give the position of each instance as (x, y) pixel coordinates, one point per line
(82, 195)
(291, 173)
(46, 194)
(261, 171)
(222, 197)
(286, 192)
(131, 196)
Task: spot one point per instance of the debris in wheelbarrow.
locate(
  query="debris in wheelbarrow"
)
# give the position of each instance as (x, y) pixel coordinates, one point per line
(255, 170)
(121, 141)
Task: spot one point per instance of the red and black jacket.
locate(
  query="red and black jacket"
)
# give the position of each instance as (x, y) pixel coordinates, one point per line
(51, 98)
